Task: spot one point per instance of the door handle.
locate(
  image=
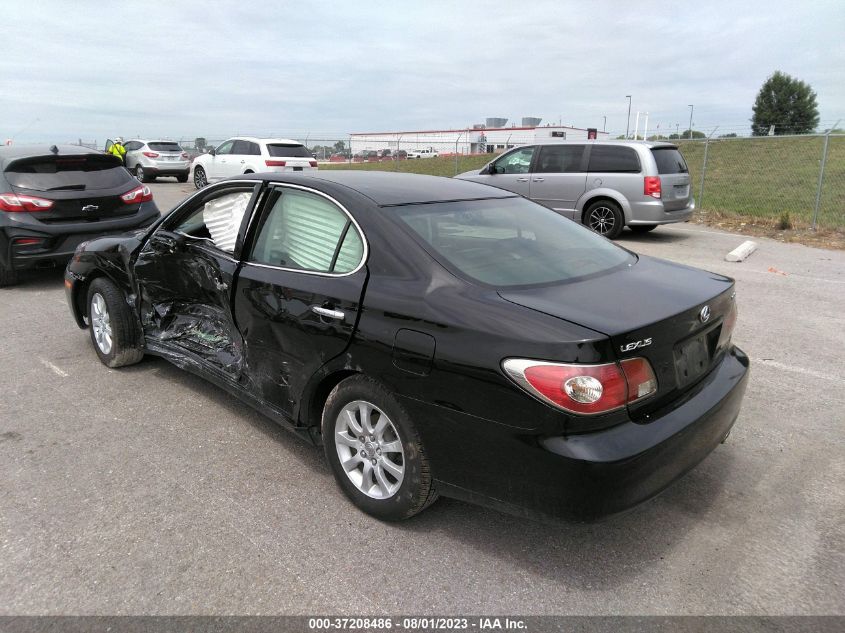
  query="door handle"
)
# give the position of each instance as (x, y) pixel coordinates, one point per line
(328, 313)
(539, 179)
(242, 162)
(522, 179)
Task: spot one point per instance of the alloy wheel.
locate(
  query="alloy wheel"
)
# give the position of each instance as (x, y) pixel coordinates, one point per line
(139, 173)
(200, 180)
(602, 220)
(101, 323)
(369, 449)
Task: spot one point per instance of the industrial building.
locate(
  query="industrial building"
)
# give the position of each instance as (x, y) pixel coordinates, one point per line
(489, 137)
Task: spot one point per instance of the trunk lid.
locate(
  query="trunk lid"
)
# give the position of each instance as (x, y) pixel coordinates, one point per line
(674, 178)
(651, 309)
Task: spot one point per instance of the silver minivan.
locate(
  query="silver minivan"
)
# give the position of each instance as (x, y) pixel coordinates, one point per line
(606, 185)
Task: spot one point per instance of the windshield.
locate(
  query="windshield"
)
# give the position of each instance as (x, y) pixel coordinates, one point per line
(288, 151)
(55, 173)
(510, 242)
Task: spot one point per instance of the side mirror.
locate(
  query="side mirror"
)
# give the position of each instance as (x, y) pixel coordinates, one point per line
(211, 151)
(163, 242)
(490, 170)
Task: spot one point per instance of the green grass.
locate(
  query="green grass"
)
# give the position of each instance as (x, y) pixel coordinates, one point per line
(763, 178)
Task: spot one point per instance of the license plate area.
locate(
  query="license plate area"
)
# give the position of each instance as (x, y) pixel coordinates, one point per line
(297, 168)
(692, 359)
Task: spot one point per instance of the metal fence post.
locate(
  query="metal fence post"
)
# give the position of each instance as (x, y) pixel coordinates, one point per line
(704, 167)
(821, 179)
(456, 152)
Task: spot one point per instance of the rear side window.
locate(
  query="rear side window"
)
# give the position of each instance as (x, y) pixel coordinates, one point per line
(509, 242)
(288, 150)
(669, 161)
(610, 158)
(307, 232)
(69, 173)
(559, 159)
(165, 147)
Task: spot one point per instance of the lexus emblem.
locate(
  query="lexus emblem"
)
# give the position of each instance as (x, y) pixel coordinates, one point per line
(704, 315)
(90, 208)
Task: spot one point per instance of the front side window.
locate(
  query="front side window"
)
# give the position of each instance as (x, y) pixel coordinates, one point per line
(613, 158)
(518, 162)
(218, 220)
(305, 231)
(509, 242)
(225, 148)
(559, 159)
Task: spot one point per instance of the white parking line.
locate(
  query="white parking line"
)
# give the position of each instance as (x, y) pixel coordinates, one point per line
(797, 370)
(56, 370)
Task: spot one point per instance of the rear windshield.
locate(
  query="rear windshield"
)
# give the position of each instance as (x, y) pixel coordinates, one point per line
(509, 242)
(68, 173)
(291, 151)
(669, 161)
(165, 147)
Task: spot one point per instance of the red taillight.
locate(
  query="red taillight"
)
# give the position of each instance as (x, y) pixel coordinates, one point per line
(651, 186)
(728, 325)
(28, 241)
(16, 203)
(150, 154)
(313, 163)
(584, 389)
(137, 195)
(274, 163)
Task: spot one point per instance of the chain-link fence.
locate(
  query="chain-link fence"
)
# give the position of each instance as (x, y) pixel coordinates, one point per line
(791, 180)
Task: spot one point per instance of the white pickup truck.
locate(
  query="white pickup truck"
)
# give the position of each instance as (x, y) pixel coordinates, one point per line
(423, 153)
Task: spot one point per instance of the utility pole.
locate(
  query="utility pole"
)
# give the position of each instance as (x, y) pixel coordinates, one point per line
(690, 120)
(604, 125)
(628, 128)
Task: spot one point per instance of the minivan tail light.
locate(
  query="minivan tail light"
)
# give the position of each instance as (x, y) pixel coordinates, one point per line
(16, 203)
(584, 389)
(137, 195)
(150, 154)
(651, 186)
(275, 163)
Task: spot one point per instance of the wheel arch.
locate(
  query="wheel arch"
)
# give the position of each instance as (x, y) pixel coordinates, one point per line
(596, 195)
(315, 395)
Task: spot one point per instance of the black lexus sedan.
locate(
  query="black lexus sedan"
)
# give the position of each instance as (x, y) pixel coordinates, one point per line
(53, 198)
(435, 336)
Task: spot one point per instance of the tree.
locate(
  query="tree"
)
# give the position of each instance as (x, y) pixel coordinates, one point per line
(787, 103)
(695, 134)
(731, 135)
(339, 146)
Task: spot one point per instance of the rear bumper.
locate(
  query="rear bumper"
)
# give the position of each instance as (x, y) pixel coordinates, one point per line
(59, 241)
(175, 169)
(651, 213)
(589, 476)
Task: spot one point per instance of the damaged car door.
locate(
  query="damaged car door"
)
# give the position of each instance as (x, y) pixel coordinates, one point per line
(186, 275)
(299, 290)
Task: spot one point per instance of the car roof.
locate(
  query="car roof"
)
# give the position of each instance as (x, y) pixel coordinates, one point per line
(10, 153)
(388, 189)
(153, 140)
(648, 144)
(259, 139)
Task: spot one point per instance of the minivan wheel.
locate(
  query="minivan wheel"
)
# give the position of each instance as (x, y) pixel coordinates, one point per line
(115, 333)
(643, 228)
(605, 218)
(200, 179)
(375, 452)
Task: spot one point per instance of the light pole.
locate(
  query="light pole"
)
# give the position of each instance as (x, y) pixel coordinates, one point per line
(604, 125)
(628, 128)
(690, 120)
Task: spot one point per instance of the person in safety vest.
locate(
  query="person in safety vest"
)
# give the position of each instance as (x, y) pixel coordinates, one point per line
(117, 148)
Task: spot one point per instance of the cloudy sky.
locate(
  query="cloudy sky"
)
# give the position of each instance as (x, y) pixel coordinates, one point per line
(183, 69)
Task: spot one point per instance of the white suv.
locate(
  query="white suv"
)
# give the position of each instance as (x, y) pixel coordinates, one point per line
(248, 155)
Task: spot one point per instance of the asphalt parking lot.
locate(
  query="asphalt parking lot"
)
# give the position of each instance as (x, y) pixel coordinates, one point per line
(147, 491)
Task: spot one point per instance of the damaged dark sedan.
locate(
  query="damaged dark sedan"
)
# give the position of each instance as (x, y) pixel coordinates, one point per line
(435, 336)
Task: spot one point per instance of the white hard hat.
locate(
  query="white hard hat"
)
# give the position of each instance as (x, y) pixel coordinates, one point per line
(119, 139)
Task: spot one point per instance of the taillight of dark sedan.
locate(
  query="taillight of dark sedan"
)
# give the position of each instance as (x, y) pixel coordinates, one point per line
(436, 337)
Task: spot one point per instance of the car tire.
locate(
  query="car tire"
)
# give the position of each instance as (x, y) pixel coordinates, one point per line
(200, 179)
(182, 177)
(141, 175)
(115, 332)
(8, 276)
(643, 228)
(605, 218)
(387, 474)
